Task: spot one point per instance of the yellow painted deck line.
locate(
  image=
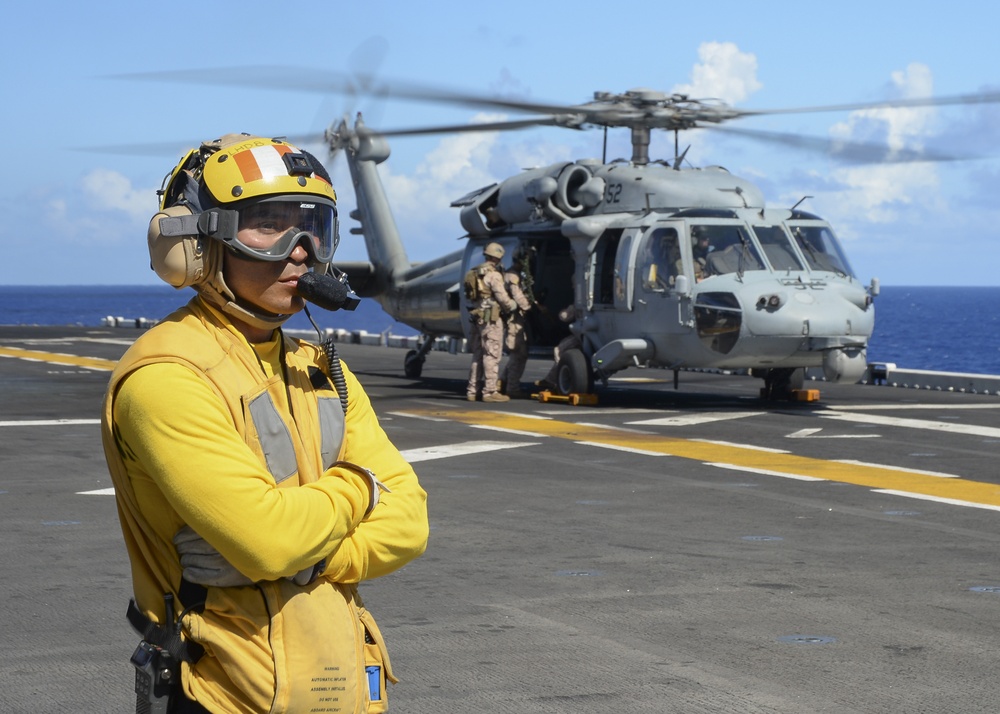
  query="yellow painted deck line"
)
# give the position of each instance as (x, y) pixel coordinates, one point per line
(882, 478)
(58, 358)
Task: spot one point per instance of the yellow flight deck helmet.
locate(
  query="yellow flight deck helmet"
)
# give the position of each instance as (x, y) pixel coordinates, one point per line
(493, 250)
(204, 197)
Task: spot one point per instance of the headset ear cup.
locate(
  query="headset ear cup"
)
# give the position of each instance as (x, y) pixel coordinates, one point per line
(181, 261)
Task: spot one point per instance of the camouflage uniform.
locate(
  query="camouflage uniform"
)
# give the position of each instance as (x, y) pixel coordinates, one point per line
(516, 341)
(486, 335)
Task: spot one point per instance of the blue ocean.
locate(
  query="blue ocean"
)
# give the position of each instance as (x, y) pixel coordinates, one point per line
(948, 329)
(89, 305)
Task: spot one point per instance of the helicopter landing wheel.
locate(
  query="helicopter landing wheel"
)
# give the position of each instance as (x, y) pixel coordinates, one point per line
(413, 364)
(780, 383)
(574, 375)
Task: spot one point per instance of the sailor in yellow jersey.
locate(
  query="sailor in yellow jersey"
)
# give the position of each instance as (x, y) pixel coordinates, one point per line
(254, 484)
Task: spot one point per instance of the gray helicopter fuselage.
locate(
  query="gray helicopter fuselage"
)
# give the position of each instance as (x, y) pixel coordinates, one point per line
(673, 268)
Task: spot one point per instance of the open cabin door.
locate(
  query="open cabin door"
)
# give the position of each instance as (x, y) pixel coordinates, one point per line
(611, 268)
(663, 274)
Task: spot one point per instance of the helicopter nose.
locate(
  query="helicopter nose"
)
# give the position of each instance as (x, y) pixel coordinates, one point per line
(813, 314)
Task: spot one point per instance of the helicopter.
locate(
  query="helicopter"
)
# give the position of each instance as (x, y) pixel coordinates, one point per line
(666, 265)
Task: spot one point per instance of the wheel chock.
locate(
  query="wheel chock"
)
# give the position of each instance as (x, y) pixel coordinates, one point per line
(572, 399)
(794, 395)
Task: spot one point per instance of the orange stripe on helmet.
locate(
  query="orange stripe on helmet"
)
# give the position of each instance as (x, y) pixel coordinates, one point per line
(247, 163)
(262, 162)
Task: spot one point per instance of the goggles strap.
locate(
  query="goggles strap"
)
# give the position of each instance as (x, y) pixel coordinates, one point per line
(219, 223)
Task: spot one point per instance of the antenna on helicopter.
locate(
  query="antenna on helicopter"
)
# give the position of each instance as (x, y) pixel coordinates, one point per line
(739, 192)
(678, 160)
(799, 201)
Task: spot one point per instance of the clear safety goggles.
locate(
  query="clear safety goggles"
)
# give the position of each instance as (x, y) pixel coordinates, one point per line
(270, 229)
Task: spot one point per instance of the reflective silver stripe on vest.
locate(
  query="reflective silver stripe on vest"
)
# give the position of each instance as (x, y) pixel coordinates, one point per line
(331, 424)
(275, 441)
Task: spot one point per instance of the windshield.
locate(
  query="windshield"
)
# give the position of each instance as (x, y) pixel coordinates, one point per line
(777, 248)
(721, 249)
(821, 249)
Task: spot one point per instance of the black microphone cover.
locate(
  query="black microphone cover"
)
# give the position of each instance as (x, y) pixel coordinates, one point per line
(323, 290)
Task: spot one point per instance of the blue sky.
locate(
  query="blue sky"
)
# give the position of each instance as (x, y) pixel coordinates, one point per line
(907, 224)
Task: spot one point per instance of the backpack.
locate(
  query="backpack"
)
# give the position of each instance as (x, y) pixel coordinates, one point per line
(471, 285)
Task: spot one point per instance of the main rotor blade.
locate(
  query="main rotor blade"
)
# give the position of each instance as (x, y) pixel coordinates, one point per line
(469, 128)
(992, 97)
(298, 79)
(161, 148)
(851, 151)
(181, 147)
(152, 148)
(326, 81)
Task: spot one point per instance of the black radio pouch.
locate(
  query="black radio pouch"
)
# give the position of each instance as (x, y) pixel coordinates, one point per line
(157, 679)
(157, 659)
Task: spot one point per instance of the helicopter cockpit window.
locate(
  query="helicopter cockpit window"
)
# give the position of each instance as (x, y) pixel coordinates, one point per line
(777, 249)
(821, 249)
(661, 260)
(722, 249)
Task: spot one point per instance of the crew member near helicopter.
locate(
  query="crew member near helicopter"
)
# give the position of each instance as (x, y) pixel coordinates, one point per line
(488, 299)
(517, 280)
(255, 487)
(567, 315)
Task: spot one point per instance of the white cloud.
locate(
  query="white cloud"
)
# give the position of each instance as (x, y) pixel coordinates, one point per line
(55, 210)
(902, 128)
(101, 210)
(513, 156)
(110, 190)
(724, 73)
(876, 194)
(879, 193)
(421, 200)
(460, 159)
(453, 168)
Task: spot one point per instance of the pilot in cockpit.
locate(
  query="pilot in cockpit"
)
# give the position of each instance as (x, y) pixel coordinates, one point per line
(701, 246)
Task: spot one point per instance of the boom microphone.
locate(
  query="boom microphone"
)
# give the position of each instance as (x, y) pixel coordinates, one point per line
(326, 292)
